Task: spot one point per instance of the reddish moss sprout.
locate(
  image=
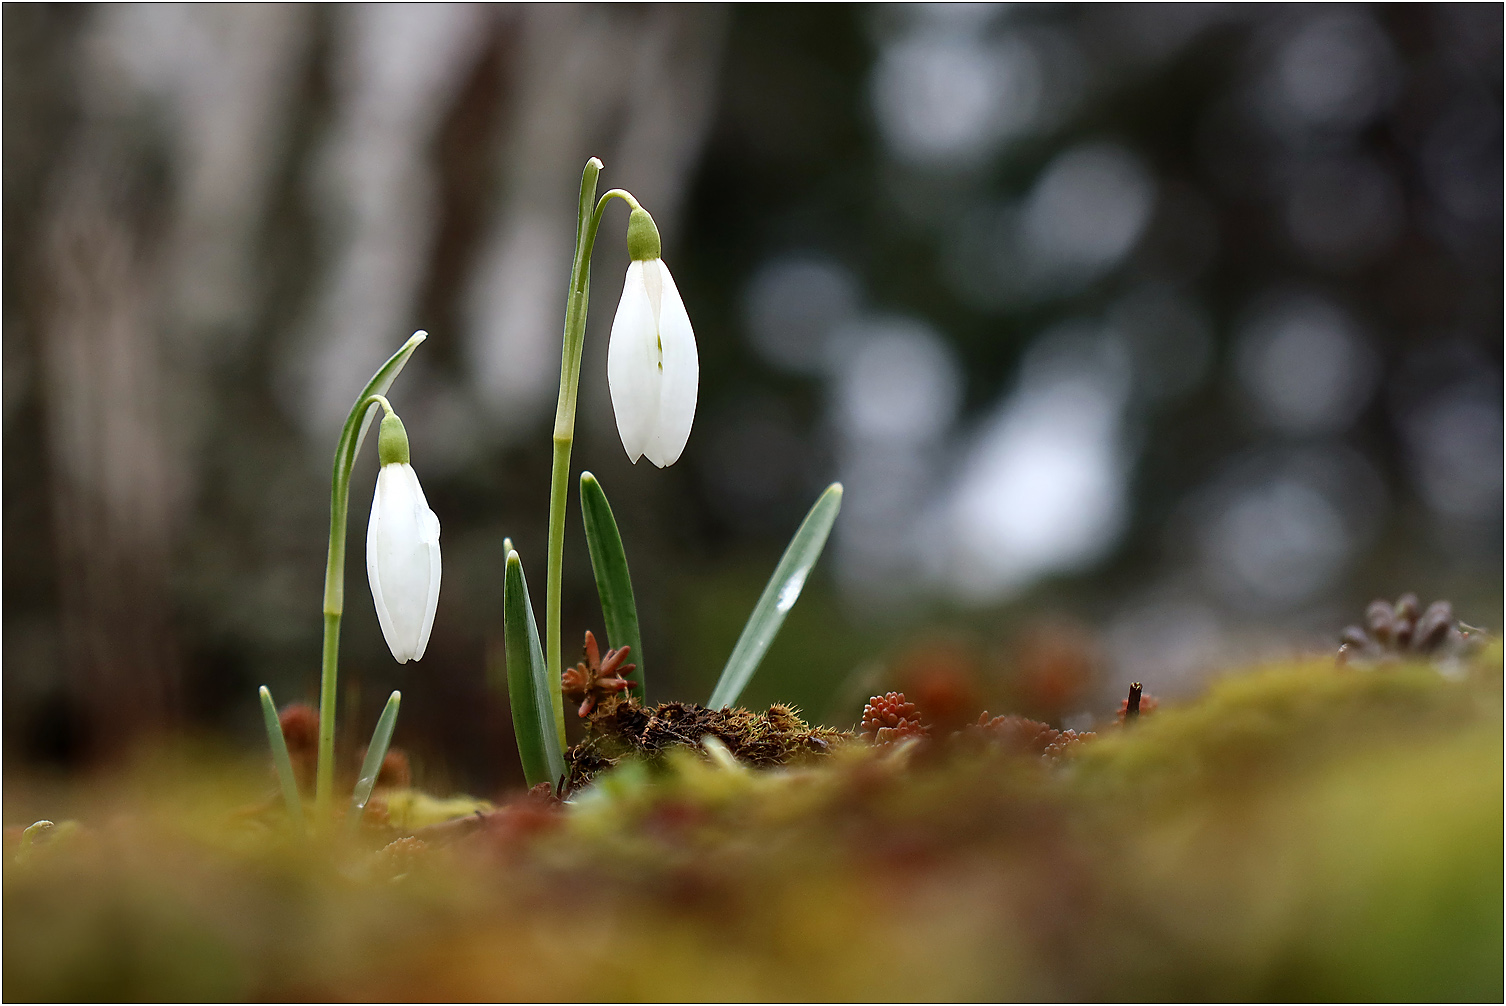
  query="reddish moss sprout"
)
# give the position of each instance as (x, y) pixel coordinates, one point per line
(891, 717)
(1023, 735)
(595, 679)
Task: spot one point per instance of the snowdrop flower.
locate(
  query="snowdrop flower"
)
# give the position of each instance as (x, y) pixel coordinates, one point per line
(652, 367)
(402, 549)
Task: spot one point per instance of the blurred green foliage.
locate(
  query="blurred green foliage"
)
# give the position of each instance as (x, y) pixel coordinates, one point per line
(1304, 832)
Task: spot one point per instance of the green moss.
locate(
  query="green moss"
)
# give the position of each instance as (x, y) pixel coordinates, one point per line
(621, 729)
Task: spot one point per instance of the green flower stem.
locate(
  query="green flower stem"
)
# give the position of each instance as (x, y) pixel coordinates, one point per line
(351, 437)
(588, 221)
(334, 598)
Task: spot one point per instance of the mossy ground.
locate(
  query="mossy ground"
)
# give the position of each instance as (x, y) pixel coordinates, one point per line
(1302, 832)
(621, 729)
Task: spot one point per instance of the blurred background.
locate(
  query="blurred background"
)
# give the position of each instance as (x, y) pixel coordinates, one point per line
(1147, 340)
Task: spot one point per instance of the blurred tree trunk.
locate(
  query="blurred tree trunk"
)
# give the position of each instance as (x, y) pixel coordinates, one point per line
(108, 477)
(207, 154)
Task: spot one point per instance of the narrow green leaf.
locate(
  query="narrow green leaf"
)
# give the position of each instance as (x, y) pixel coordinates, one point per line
(609, 563)
(280, 759)
(496, 650)
(380, 384)
(778, 597)
(371, 767)
(528, 683)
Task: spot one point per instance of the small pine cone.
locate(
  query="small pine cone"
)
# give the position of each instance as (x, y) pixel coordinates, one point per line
(891, 717)
(1380, 619)
(1393, 632)
(1018, 733)
(1433, 628)
(1405, 620)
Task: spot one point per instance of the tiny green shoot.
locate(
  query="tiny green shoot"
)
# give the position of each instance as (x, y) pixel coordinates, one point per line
(284, 764)
(527, 683)
(371, 767)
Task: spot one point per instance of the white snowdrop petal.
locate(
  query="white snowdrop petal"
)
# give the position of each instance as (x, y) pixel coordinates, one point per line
(403, 561)
(681, 377)
(429, 535)
(633, 373)
(431, 606)
(373, 534)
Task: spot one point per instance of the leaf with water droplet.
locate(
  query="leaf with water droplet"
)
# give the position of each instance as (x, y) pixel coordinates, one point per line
(371, 767)
(790, 592)
(778, 597)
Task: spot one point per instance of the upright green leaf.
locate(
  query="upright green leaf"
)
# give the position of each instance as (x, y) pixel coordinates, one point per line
(371, 767)
(609, 563)
(496, 655)
(528, 683)
(284, 764)
(778, 597)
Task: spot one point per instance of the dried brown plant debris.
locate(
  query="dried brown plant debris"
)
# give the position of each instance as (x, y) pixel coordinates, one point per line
(891, 717)
(1138, 703)
(624, 728)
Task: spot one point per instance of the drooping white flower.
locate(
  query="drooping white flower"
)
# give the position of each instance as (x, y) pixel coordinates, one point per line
(652, 367)
(402, 550)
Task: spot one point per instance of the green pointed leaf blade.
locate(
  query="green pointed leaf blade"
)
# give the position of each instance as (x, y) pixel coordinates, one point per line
(528, 683)
(280, 759)
(778, 597)
(613, 584)
(380, 384)
(496, 651)
(371, 767)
